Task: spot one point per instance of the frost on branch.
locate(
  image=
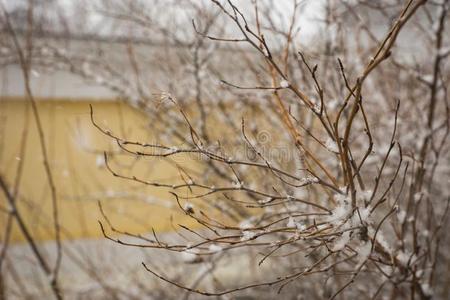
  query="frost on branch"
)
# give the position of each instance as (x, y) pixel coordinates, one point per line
(284, 84)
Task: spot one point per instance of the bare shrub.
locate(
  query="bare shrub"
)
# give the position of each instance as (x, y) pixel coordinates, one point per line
(325, 163)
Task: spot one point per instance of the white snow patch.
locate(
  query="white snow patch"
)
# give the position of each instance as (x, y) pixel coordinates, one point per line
(246, 224)
(403, 257)
(427, 289)
(310, 180)
(428, 78)
(401, 216)
(188, 206)
(333, 104)
(341, 241)
(365, 196)
(188, 256)
(247, 235)
(238, 185)
(331, 146)
(100, 161)
(343, 189)
(342, 209)
(300, 226)
(284, 84)
(215, 248)
(417, 197)
(381, 240)
(316, 108)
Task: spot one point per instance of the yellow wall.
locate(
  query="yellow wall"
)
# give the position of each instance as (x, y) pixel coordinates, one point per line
(74, 147)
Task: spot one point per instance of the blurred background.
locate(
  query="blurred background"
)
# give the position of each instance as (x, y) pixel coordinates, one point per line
(67, 66)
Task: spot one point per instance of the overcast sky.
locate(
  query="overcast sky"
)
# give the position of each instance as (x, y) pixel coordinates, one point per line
(310, 11)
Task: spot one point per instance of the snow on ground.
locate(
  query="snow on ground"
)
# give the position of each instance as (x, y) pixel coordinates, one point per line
(90, 268)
